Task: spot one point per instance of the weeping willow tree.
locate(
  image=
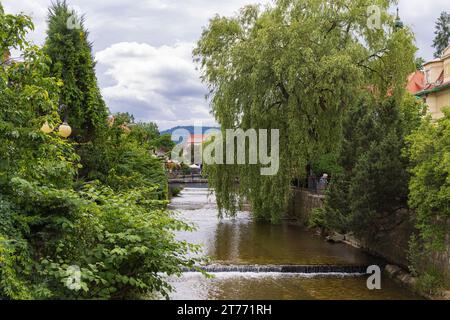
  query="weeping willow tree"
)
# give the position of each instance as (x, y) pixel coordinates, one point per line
(296, 66)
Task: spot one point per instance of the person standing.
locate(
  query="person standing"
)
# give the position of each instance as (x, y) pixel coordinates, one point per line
(323, 183)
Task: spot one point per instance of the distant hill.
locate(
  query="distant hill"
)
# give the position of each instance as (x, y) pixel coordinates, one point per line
(191, 129)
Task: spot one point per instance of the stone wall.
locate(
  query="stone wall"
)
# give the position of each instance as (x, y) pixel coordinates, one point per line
(442, 259)
(303, 203)
(391, 243)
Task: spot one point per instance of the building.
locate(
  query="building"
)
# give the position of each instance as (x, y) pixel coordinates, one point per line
(192, 147)
(436, 92)
(197, 139)
(416, 82)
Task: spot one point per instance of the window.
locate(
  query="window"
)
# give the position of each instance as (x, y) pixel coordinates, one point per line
(427, 76)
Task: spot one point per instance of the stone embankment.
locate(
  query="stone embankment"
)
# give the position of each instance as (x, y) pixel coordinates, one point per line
(392, 245)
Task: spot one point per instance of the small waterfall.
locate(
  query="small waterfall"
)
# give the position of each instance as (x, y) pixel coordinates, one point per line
(305, 269)
(193, 199)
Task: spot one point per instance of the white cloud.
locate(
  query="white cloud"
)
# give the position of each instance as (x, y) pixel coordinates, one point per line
(159, 83)
(144, 47)
(421, 17)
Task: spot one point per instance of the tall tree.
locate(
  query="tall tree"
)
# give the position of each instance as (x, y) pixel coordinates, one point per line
(429, 151)
(28, 98)
(371, 195)
(296, 66)
(442, 32)
(72, 61)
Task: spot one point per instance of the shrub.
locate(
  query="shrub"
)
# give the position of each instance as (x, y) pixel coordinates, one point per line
(175, 191)
(429, 189)
(430, 281)
(109, 236)
(123, 243)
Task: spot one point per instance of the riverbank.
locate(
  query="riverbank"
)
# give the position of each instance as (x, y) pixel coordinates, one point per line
(391, 245)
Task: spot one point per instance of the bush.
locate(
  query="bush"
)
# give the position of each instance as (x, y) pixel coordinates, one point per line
(335, 213)
(429, 189)
(431, 281)
(123, 245)
(175, 191)
(108, 235)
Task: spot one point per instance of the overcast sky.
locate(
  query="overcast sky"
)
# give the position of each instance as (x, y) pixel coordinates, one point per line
(143, 49)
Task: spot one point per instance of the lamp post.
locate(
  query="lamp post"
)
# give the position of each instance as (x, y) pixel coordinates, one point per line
(46, 128)
(64, 129)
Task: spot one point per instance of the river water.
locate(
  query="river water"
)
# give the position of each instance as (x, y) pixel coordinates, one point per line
(252, 260)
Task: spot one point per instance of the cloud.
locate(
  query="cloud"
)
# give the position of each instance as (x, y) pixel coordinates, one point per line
(154, 83)
(144, 48)
(421, 17)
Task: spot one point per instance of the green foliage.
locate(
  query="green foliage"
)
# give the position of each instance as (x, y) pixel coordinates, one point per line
(374, 186)
(335, 213)
(428, 147)
(117, 229)
(14, 254)
(442, 32)
(429, 151)
(124, 160)
(419, 62)
(431, 281)
(123, 242)
(165, 143)
(327, 163)
(13, 29)
(296, 66)
(415, 256)
(72, 62)
(14, 263)
(175, 191)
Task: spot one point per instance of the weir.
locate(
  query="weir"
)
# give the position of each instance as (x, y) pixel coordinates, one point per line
(301, 269)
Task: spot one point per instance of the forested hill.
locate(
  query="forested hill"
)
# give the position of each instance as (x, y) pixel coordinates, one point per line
(191, 129)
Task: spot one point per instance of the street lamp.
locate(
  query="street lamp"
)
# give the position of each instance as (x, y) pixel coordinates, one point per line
(64, 129)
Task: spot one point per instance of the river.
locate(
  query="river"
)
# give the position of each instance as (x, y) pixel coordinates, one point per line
(253, 260)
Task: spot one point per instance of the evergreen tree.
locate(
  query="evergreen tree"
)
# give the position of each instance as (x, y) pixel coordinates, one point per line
(442, 32)
(120, 236)
(379, 180)
(72, 61)
(373, 190)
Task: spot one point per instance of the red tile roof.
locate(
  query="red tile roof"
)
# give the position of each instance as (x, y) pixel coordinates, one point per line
(416, 82)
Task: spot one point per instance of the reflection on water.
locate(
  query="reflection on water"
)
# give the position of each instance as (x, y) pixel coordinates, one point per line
(242, 241)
